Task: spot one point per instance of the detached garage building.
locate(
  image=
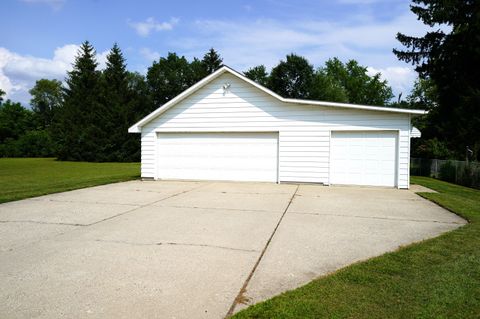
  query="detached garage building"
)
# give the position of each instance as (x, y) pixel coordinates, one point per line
(227, 127)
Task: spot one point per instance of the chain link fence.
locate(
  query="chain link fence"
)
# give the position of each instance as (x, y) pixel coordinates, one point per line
(458, 172)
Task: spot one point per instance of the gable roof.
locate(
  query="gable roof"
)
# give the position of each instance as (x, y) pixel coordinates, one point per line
(136, 128)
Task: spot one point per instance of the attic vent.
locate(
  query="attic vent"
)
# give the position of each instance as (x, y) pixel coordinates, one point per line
(226, 88)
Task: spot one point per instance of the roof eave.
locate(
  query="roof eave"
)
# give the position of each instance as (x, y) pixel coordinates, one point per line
(134, 129)
(356, 106)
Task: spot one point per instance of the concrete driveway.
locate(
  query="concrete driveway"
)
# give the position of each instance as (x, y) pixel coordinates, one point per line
(192, 249)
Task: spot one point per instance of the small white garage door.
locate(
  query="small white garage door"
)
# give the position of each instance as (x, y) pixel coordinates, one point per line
(363, 158)
(218, 156)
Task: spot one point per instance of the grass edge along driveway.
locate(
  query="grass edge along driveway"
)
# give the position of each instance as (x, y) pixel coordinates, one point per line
(29, 177)
(436, 278)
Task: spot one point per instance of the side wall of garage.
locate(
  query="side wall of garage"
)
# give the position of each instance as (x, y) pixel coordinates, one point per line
(304, 131)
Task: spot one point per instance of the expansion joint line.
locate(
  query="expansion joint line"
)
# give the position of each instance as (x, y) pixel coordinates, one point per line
(145, 205)
(241, 294)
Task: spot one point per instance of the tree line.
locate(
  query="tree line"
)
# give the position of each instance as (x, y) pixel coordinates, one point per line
(87, 117)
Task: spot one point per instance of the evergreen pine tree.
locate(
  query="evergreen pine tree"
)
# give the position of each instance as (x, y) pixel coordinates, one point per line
(115, 99)
(452, 61)
(2, 93)
(212, 61)
(78, 127)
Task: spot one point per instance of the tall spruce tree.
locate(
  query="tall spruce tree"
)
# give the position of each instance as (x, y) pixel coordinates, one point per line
(452, 61)
(79, 125)
(116, 101)
(140, 106)
(212, 61)
(2, 94)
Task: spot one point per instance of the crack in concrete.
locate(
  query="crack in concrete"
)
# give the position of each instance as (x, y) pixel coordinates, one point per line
(217, 208)
(145, 205)
(81, 202)
(99, 221)
(241, 294)
(42, 223)
(377, 217)
(244, 193)
(174, 244)
(372, 198)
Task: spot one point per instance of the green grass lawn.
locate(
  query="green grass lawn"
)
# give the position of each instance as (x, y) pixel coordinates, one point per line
(437, 278)
(29, 177)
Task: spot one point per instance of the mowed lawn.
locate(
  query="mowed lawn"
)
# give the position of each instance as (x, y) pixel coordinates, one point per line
(437, 278)
(28, 177)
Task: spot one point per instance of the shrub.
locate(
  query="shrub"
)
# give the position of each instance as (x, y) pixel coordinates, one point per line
(30, 144)
(432, 148)
(448, 172)
(35, 144)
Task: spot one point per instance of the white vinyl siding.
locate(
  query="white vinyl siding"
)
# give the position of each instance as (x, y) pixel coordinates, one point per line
(304, 130)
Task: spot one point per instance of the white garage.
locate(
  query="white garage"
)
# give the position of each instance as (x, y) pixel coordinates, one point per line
(227, 127)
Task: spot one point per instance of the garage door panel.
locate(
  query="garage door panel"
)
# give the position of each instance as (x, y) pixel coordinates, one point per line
(363, 158)
(218, 156)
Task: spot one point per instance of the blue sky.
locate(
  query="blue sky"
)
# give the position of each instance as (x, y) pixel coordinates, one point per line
(40, 37)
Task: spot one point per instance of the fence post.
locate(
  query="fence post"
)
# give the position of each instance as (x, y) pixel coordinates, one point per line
(456, 172)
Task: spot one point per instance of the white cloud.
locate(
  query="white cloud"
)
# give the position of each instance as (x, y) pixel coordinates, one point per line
(244, 44)
(54, 4)
(317, 40)
(149, 55)
(18, 73)
(144, 28)
(399, 78)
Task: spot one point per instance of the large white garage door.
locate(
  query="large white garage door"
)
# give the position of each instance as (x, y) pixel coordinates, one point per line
(218, 156)
(363, 158)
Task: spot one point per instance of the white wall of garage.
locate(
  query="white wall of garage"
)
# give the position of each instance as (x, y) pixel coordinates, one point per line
(304, 130)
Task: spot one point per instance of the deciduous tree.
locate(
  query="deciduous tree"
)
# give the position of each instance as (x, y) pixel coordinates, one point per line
(359, 87)
(167, 77)
(292, 78)
(258, 74)
(47, 97)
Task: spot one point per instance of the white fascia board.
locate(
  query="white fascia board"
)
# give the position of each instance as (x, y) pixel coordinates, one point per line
(357, 106)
